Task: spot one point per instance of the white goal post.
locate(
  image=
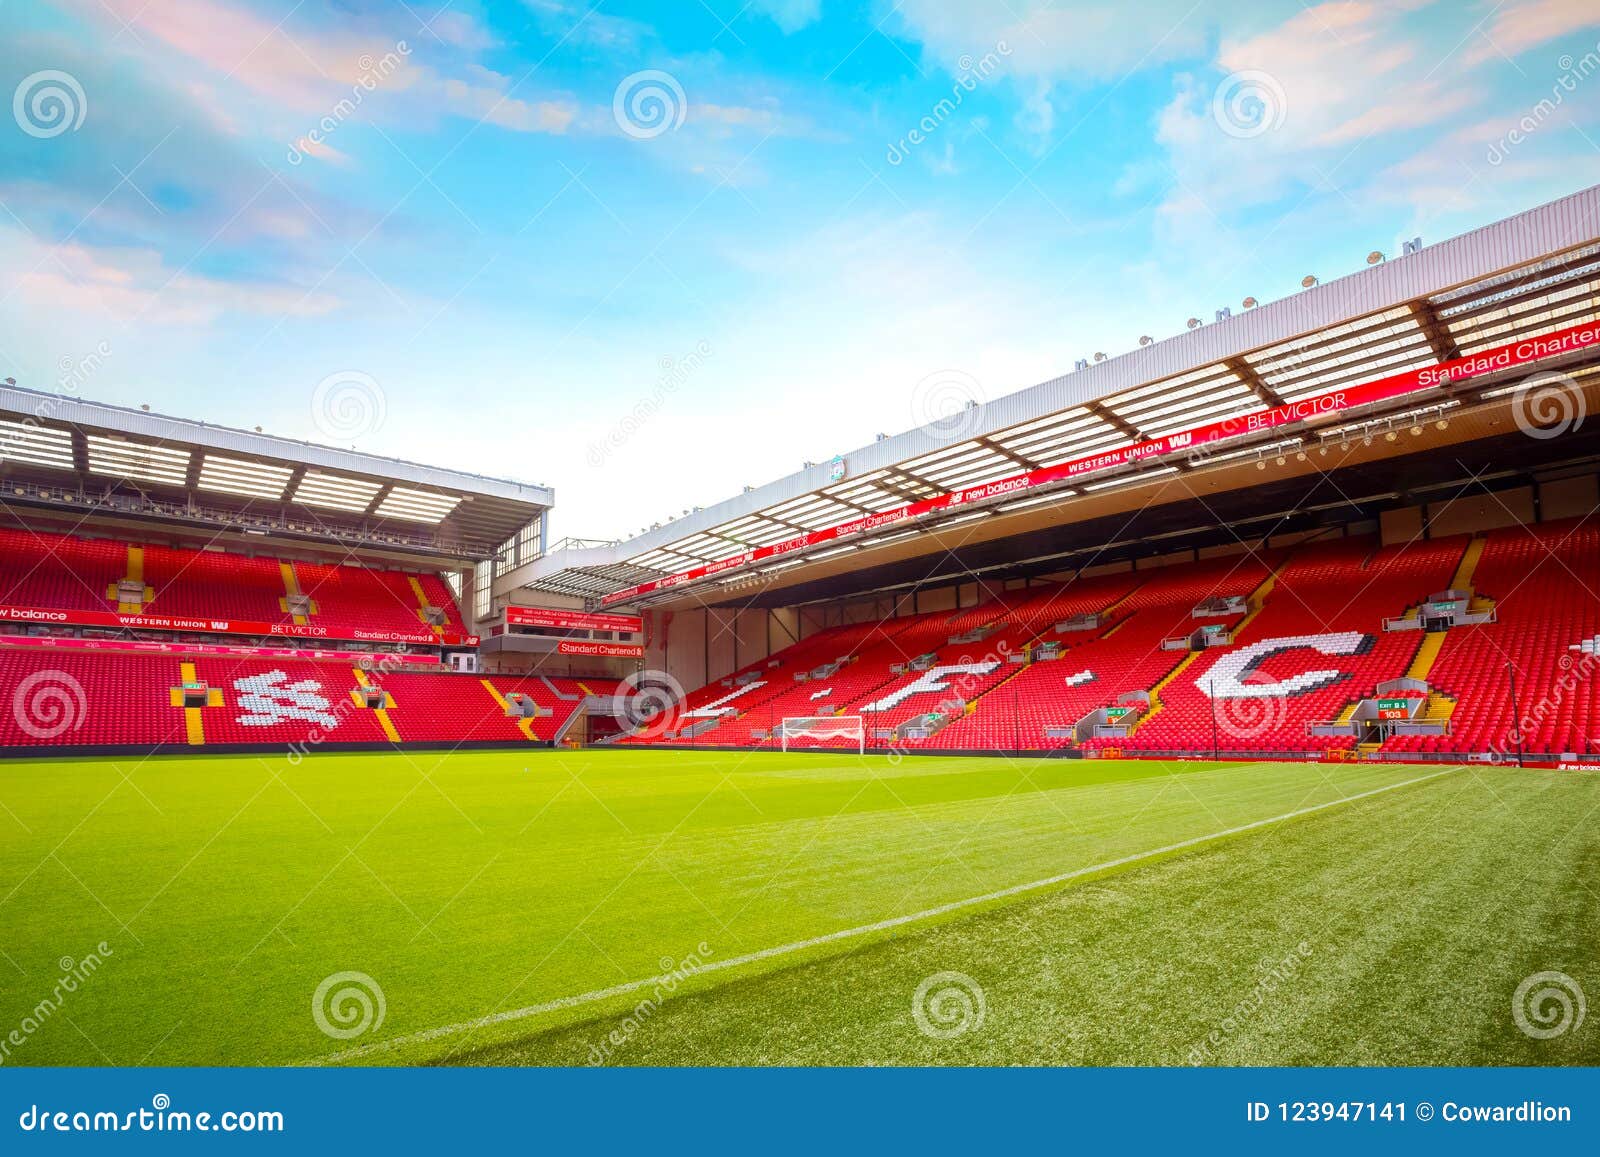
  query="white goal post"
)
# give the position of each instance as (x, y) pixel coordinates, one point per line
(800, 729)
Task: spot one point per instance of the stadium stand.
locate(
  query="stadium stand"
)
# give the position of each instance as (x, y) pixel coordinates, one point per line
(1405, 445)
(49, 570)
(76, 699)
(64, 572)
(1123, 654)
(1242, 655)
(1315, 649)
(1540, 583)
(1247, 654)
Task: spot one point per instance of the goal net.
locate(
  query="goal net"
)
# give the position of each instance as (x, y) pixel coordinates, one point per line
(814, 730)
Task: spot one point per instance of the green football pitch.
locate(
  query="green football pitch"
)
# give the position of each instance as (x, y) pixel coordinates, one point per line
(624, 907)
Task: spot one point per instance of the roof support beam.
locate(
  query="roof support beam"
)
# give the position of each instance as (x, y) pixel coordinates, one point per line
(845, 502)
(80, 455)
(903, 476)
(1252, 381)
(889, 487)
(1020, 459)
(1111, 418)
(378, 498)
(1439, 339)
(290, 485)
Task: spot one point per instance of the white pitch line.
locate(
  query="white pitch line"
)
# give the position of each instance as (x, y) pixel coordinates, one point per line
(847, 933)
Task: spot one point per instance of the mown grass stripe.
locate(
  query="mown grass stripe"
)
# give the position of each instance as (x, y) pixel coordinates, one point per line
(566, 1002)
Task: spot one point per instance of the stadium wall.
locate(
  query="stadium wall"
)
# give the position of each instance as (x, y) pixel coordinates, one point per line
(1539, 501)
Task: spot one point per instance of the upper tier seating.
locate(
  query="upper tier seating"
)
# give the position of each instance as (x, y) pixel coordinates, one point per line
(58, 572)
(62, 572)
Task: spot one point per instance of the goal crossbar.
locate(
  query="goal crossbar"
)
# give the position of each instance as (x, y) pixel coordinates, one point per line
(823, 727)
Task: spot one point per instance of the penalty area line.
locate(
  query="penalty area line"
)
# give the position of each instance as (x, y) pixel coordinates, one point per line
(599, 994)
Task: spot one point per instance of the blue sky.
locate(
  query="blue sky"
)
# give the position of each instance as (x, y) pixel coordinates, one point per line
(650, 253)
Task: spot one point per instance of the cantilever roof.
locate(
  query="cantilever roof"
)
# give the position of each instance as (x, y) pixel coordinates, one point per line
(1527, 275)
(57, 438)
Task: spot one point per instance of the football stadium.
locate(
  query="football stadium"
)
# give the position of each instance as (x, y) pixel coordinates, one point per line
(1213, 703)
(801, 576)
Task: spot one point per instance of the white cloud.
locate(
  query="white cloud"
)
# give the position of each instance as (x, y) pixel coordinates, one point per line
(119, 287)
(485, 95)
(1044, 44)
(1516, 27)
(1051, 41)
(1294, 104)
(790, 15)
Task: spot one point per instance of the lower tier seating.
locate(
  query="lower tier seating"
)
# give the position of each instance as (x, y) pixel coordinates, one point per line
(1260, 654)
(1303, 644)
(70, 699)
